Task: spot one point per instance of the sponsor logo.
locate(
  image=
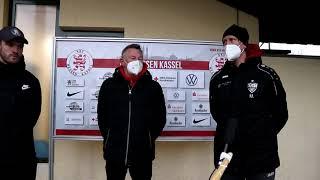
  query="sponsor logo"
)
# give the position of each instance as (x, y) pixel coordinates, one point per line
(200, 95)
(176, 121)
(197, 121)
(166, 78)
(201, 121)
(201, 108)
(70, 82)
(72, 94)
(107, 75)
(217, 62)
(74, 106)
(74, 82)
(176, 108)
(93, 106)
(176, 95)
(79, 62)
(96, 94)
(191, 80)
(101, 78)
(25, 87)
(73, 120)
(93, 120)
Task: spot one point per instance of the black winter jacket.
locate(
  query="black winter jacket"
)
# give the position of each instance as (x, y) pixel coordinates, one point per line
(20, 105)
(130, 119)
(253, 96)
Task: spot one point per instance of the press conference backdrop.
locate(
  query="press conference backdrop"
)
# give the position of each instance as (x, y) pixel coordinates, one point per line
(182, 68)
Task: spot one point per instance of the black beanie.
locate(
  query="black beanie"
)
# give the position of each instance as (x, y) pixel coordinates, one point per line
(239, 32)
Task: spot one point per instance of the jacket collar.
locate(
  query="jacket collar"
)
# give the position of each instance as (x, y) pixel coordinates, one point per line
(12, 69)
(253, 51)
(143, 75)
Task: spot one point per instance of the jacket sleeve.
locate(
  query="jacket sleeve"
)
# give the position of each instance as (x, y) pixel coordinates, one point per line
(102, 109)
(159, 113)
(31, 105)
(280, 111)
(214, 107)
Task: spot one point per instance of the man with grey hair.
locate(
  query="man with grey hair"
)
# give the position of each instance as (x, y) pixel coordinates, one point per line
(131, 115)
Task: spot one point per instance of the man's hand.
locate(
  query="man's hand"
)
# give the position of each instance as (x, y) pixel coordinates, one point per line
(223, 156)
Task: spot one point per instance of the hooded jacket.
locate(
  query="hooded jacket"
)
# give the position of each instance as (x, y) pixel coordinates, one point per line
(251, 95)
(20, 105)
(130, 118)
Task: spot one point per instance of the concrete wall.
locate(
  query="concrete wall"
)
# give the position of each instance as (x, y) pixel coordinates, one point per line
(166, 19)
(4, 10)
(299, 145)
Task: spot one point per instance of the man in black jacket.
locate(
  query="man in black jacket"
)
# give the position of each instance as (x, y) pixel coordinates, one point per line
(131, 115)
(248, 102)
(20, 104)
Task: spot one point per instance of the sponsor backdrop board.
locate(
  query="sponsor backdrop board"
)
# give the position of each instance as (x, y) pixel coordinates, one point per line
(183, 69)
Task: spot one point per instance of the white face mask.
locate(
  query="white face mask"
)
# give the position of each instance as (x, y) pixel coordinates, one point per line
(134, 67)
(232, 52)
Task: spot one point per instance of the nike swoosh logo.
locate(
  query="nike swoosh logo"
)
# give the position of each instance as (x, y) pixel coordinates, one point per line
(195, 122)
(71, 94)
(25, 86)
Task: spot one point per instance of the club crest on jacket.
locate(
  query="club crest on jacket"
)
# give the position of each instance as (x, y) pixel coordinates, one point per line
(252, 86)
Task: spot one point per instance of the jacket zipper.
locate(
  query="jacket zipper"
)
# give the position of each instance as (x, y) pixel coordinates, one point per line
(150, 140)
(128, 134)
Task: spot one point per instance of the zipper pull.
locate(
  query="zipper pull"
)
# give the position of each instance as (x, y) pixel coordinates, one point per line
(129, 93)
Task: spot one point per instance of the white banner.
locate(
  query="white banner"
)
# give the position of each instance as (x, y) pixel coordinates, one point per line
(182, 68)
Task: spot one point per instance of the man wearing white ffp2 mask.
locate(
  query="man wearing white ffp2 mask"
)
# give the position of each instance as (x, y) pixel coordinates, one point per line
(132, 113)
(135, 66)
(235, 40)
(131, 61)
(247, 100)
(233, 52)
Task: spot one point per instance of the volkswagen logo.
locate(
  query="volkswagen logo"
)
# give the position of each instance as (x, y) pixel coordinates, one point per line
(191, 80)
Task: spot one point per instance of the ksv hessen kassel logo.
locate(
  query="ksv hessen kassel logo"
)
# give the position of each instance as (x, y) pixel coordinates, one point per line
(79, 62)
(217, 62)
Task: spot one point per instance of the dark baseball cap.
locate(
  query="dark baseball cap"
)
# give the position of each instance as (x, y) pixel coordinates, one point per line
(11, 33)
